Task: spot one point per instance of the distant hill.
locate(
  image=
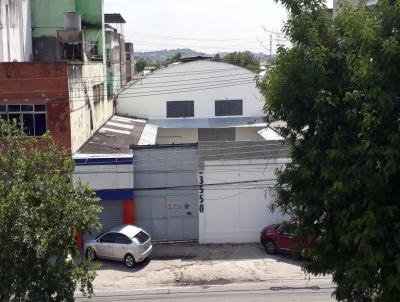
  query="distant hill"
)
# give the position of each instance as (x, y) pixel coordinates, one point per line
(161, 55)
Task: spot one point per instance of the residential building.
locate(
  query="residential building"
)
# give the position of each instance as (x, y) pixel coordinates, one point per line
(37, 96)
(68, 53)
(130, 61)
(15, 31)
(197, 101)
(115, 53)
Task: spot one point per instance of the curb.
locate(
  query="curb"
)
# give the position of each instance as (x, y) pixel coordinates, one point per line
(270, 285)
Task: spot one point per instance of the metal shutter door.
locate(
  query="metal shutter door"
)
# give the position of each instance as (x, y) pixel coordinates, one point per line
(111, 216)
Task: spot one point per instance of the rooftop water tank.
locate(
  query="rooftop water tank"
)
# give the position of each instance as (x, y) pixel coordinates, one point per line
(72, 21)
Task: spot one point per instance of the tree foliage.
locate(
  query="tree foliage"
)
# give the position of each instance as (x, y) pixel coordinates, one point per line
(243, 59)
(40, 206)
(337, 90)
(141, 64)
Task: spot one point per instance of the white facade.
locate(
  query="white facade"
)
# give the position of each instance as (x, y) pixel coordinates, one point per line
(203, 82)
(15, 31)
(236, 213)
(104, 175)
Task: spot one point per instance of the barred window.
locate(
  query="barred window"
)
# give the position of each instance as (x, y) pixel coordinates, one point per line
(32, 118)
(180, 109)
(228, 107)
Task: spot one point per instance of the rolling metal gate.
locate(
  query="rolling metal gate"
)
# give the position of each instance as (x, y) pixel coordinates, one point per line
(111, 216)
(166, 201)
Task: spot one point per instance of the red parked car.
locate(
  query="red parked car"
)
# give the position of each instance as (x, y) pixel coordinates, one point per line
(282, 237)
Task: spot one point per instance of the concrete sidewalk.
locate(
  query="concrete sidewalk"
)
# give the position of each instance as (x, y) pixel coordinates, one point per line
(191, 264)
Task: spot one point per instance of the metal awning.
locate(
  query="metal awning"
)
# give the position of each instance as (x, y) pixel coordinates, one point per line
(228, 122)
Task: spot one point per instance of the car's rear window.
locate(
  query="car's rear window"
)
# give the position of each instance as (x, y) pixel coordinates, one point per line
(98, 236)
(142, 237)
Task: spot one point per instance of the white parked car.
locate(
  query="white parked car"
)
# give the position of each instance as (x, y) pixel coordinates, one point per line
(126, 243)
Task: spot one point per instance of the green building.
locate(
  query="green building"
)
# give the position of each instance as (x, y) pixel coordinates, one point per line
(72, 31)
(58, 34)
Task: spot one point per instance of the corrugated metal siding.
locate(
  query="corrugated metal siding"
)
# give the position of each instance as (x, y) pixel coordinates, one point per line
(167, 214)
(242, 150)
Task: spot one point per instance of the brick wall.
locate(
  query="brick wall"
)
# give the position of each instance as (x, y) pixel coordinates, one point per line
(40, 83)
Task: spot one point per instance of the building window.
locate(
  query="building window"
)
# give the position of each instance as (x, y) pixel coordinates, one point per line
(228, 107)
(72, 52)
(98, 93)
(180, 109)
(32, 118)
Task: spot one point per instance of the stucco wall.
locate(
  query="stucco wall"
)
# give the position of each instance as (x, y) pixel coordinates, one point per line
(203, 82)
(84, 112)
(15, 31)
(113, 61)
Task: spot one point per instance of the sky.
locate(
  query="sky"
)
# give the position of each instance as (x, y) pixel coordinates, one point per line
(210, 26)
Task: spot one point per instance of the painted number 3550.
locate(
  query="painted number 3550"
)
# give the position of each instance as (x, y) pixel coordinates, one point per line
(201, 191)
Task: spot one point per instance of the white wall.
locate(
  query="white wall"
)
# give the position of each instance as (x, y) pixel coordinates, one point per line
(237, 213)
(81, 76)
(105, 177)
(15, 31)
(177, 135)
(248, 134)
(200, 76)
(190, 135)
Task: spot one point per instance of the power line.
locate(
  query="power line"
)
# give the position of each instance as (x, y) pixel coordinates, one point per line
(174, 91)
(138, 171)
(160, 72)
(161, 92)
(128, 161)
(138, 86)
(203, 185)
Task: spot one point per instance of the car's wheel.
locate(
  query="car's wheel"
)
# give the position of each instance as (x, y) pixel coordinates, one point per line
(129, 260)
(270, 247)
(91, 254)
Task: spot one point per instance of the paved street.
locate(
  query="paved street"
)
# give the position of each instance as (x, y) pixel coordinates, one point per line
(182, 265)
(248, 293)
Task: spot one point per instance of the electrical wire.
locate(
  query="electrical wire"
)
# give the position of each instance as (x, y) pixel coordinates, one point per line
(160, 72)
(203, 155)
(144, 86)
(282, 156)
(202, 185)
